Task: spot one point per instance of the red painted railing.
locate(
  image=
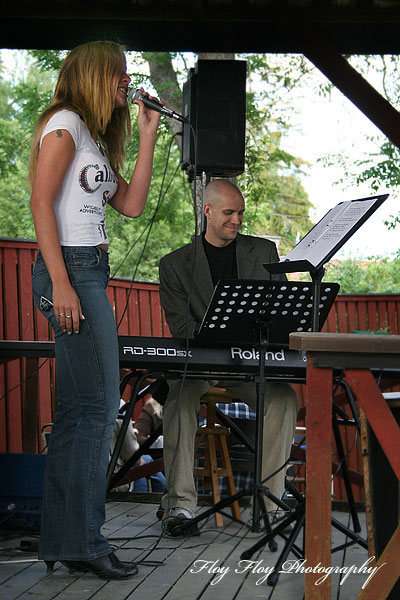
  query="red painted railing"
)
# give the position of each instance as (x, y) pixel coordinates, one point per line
(137, 308)
(20, 320)
(367, 312)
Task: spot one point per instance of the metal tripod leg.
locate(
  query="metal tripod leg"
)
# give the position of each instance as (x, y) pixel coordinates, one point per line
(297, 517)
(339, 445)
(346, 478)
(260, 493)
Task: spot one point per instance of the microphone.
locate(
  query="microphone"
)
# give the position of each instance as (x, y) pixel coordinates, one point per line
(137, 94)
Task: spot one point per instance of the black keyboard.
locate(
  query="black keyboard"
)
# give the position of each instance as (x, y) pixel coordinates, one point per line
(172, 354)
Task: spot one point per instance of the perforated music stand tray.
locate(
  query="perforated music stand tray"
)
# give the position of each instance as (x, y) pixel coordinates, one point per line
(239, 306)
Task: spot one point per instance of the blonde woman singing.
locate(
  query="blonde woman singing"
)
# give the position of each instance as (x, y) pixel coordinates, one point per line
(77, 152)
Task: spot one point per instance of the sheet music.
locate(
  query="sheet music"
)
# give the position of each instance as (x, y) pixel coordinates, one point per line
(330, 231)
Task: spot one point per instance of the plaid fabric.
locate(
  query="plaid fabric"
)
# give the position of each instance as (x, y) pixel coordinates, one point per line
(237, 410)
(243, 479)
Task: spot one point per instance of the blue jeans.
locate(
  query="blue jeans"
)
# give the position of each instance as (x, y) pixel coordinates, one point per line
(87, 369)
(158, 482)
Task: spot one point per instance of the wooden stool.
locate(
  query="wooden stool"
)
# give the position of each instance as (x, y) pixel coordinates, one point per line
(215, 437)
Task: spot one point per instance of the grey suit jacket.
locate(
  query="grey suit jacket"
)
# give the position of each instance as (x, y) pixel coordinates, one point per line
(185, 273)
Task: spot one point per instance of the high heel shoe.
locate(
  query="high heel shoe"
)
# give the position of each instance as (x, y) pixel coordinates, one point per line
(50, 566)
(69, 564)
(107, 567)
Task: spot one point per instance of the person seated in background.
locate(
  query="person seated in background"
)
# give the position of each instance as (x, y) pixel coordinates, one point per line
(149, 420)
(187, 280)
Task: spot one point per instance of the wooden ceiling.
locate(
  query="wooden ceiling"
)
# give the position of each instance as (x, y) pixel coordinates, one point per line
(322, 30)
(351, 26)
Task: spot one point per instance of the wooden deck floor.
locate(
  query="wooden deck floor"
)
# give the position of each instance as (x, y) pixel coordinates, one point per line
(172, 570)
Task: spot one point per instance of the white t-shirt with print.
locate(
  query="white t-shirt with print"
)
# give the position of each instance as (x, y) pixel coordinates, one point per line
(87, 187)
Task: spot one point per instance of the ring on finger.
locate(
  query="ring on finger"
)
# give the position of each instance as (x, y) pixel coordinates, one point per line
(68, 316)
(61, 314)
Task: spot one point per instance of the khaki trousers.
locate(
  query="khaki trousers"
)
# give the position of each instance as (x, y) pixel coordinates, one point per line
(180, 425)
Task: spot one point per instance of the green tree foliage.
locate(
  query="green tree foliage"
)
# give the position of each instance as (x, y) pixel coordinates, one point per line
(13, 186)
(376, 275)
(276, 200)
(276, 204)
(385, 170)
(167, 221)
(379, 169)
(21, 101)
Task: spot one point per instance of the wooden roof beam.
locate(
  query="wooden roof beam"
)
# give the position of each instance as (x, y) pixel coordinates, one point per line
(357, 89)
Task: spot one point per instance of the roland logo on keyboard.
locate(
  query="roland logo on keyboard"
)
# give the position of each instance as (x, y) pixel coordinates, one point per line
(253, 354)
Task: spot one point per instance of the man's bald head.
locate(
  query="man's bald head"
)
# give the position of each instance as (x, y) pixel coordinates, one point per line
(223, 208)
(219, 189)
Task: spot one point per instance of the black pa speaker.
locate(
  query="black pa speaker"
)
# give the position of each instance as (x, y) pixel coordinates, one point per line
(21, 491)
(214, 102)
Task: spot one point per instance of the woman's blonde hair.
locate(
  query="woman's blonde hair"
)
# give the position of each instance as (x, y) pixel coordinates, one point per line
(156, 406)
(87, 84)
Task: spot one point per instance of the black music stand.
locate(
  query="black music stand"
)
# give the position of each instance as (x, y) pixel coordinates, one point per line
(263, 313)
(312, 252)
(260, 313)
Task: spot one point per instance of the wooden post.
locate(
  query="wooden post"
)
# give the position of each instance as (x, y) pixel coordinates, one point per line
(318, 479)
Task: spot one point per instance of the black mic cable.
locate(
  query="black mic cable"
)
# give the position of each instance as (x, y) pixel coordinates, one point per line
(137, 94)
(149, 226)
